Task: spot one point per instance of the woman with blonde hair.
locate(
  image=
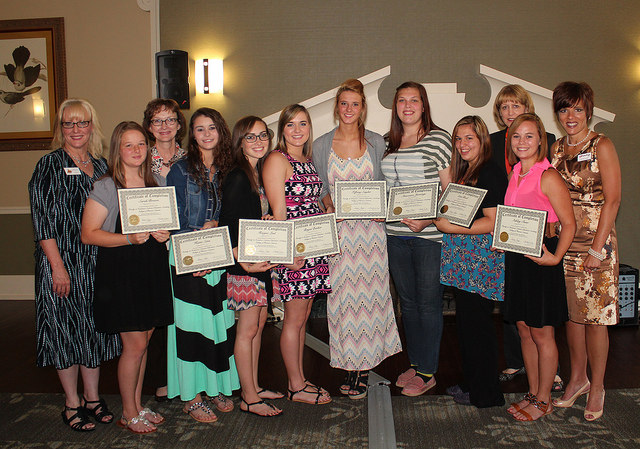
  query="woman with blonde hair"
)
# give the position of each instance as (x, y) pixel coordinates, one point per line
(362, 326)
(65, 330)
(293, 188)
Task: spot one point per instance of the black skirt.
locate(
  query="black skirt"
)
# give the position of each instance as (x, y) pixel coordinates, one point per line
(132, 287)
(535, 294)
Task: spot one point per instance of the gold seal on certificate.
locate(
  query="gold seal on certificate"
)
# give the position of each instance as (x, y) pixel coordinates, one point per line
(459, 203)
(265, 241)
(148, 209)
(360, 199)
(316, 236)
(202, 250)
(417, 201)
(519, 230)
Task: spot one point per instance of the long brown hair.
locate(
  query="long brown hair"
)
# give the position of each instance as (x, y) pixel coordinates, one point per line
(221, 154)
(353, 85)
(461, 171)
(238, 159)
(286, 116)
(116, 169)
(397, 130)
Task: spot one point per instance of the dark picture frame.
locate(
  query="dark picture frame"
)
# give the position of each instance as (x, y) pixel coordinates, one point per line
(18, 103)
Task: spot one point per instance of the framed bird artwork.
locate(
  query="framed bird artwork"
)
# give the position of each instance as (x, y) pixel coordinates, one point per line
(33, 81)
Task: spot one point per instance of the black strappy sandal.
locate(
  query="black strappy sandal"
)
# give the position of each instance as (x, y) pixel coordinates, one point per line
(360, 385)
(249, 405)
(99, 412)
(81, 415)
(349, 382)
(291, 395)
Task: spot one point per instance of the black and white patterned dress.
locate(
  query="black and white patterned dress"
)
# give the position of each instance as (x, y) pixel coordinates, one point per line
(65, 330)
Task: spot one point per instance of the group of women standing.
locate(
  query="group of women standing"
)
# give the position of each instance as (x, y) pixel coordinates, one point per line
(100, 293)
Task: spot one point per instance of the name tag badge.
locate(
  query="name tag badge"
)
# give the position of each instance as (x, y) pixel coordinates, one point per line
(70, 171)
(584, 157)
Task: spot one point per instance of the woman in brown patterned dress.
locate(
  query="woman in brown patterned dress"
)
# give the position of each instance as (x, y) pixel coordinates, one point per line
(589, 164)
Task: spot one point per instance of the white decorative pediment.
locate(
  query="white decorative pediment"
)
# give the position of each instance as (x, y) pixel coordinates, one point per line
(447, 104)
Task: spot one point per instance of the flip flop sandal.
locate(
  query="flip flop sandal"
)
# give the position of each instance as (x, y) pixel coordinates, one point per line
(205, 408)
(249, 405)
(314, 391)
(275, 394)
(125, 423)
(222, 403)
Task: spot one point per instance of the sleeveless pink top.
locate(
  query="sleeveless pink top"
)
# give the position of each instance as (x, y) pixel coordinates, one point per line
(529, 193)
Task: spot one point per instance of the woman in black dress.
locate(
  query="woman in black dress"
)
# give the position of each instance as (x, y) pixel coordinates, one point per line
(140, 300)
(66, 335)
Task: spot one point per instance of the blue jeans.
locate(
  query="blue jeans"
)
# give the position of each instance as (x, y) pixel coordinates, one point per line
(415, 268)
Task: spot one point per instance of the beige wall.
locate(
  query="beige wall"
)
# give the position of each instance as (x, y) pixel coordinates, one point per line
(278, 52)
(108, 63)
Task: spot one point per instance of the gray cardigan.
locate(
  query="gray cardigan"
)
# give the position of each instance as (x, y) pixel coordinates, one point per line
(322, 148)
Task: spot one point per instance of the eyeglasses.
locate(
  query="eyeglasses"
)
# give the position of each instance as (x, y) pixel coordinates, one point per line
(252, 137)
(70, 125)
(169, 121)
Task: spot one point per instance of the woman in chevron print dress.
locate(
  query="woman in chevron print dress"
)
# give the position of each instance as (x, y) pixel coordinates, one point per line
(362, 326)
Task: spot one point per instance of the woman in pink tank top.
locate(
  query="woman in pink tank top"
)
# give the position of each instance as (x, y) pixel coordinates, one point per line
(535, 296)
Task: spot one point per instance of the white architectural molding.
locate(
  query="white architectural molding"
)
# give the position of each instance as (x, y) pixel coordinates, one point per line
(153, 7)
(446, 103)
(15, 211)
(17, 287)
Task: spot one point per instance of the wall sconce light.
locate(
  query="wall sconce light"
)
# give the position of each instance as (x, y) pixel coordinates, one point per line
(38, 107)
(209, 76)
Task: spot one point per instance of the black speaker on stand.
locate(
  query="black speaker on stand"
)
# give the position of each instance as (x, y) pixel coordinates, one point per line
(172, 76)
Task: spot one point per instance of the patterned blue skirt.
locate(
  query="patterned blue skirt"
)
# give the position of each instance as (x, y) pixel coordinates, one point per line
(468, 263)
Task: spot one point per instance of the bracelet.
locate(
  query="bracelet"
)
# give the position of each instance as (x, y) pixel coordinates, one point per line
(596, 254)
(127, 236)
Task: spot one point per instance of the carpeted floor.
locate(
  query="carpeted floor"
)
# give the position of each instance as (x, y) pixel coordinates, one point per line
(33, 421)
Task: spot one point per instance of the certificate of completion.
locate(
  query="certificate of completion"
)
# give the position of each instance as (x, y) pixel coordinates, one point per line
(418, 201)
(459, 204)
(202, 250)
(148, 209)
(265, 241)
(360, 199)
(316, 236)
(519, 230)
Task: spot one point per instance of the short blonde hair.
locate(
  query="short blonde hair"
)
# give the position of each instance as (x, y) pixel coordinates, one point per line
(511, 92)
(80, 109)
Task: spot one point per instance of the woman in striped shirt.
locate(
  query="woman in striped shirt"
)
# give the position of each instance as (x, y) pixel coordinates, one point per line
(418, 152)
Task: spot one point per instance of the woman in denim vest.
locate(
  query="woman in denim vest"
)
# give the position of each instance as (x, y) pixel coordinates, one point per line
(200, 343)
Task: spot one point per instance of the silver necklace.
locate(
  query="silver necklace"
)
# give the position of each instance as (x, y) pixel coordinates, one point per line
(576, 144)
(78, 160)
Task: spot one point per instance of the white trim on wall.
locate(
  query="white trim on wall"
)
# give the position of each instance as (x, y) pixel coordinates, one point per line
(153, 6)
(17, 287)
(15, 211)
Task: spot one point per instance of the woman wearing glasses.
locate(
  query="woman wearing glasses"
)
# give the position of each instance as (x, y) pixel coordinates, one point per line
(66, 336)
(248, 284)
(165, 126)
